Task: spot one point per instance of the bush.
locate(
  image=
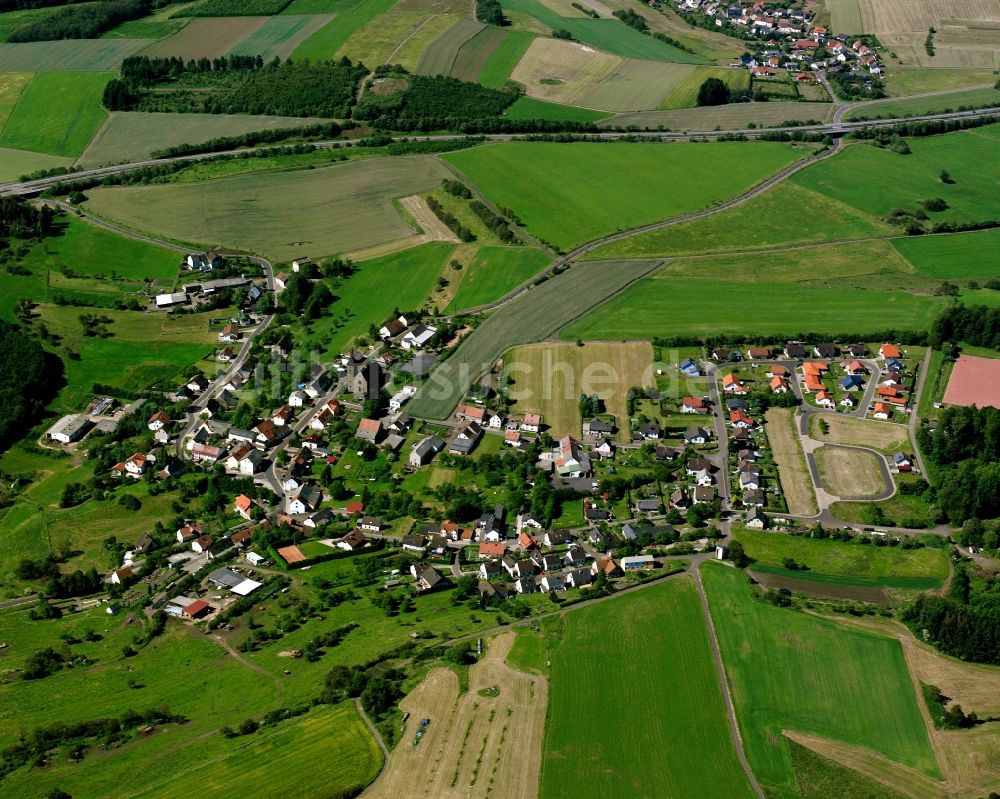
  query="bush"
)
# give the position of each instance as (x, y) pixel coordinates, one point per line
(713, 91)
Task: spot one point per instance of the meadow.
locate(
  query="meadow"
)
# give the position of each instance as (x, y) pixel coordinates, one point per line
(336, 209)
(549, 379)
(531, 108)
(68, 55)
(531, 317)
(474, 53)
(882, 436)
(15, 163)
(541, 180)
(925, 568)
(757, 224)
(493, 272)
(58, 113)
(684, 94)
(279, 36)
(953, 257)
(11, 86)
(904, 181)
(133, 135)
(350, 17)
(411, 50)
(206, 37)
(789, 671)
(916, 106)
(850, 473)
(727, 117)
(496, 71)
(654, 637)
(796, 484)
(439, 57)
(706, 306)
(374, 42)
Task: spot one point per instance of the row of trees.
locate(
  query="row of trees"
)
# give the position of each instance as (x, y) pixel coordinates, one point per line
(974, 324)
(29, 379)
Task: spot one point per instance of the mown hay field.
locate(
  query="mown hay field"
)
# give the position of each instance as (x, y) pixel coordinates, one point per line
(796, 484)
(15, 163)
(11, 86)
(496, 71)
(955, 256)
(476, 52)
(789, 671)
(615, 185)
(412, 50)
(439, 57)
(845, 16)
(134, 135)
(549, 378)
(58, 113)
(886, 437)
(279, 36)
(282, 215)
(493, 272)
(350, 16)
(532, 316)
(68, 55)
(916, 106)
(653, 637)
(684, 94)
(206, 38)
(563, 72)
(726, 117)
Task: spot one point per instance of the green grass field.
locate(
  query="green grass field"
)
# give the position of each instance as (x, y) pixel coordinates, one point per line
(474, 53)
(68, 55)
(916, 106)
(280, 35)
(797, 672)
(337, 209)
(693, 306)
(903, 181)
(58, 113)
(757, 224)
(685, 93)
(15, 163)
(11, 86)
(133, 135)
(331, 37)
(924, 568)
(493, 272)
(531, 108)
(612, 186)
(496, 71)
(953, 257)
(607, 34)
(655, 637)
(818, 777)
(531, 317)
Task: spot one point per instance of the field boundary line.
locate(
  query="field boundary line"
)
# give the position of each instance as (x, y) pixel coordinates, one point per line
(409, 36)
(720, 672)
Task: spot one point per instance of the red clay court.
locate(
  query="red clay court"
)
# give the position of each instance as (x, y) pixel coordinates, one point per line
(974, 381)
(292, 554)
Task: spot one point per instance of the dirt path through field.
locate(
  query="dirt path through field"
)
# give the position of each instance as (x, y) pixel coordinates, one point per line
(475, 744)
(434, 229)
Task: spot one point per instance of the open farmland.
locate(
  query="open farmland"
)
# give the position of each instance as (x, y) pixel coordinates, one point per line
(476, 745)
(440, 55)
(953, 257)
(540, 180)
(375, 41)
(493, 272)
(206, 37)
(727, 117)
(845, 16)
(15, 163)
(338, 208)
(134, 135)
(530, 108)
(532, 316)
(563, 72)
(974, 381)
(11, 86)
(789, 671)
(903, 82)
(636, 85)
(924, 568)
(57, 114)
(684, 94)
(350, 16)
(496, 71)
(76, 55)
(883, 436)
(549, 379)
(279, 36)
(706, 306)
(655, 637)
(473, 54)
(905, 180)
(916, 106)
(796, 484)
(757, 224)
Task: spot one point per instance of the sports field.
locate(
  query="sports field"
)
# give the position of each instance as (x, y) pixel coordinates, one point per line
(684, 94)
(206, 37)
(493, 272)
(334, 209)
(496, 71)
(953, 257)
(57, 113)
(549, 379)
(850, 473)
(133, 135)
(883, 436)
(974, 381)
(440, 55)
(280, 35)
(796, 484)
(613, 185)
(350, 16)
(662, 683)
(530, 108)
(789, 671)
(696, 306)
(533, 316)
(68, 55)
(922, 568)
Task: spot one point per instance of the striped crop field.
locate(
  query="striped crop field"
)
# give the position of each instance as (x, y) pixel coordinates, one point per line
(279, 36)
(440, 56)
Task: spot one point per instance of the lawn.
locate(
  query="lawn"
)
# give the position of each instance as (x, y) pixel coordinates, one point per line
(280, 35)
(789, 671)
(664, 676)
(953, 257)
(549, 379)
(282, 215)
(612, 186)
(133, 135)
(705, 306)
(67, 55)
(493, 272)
(919, 568)
(58, 113)
(351, 16)
(530, 108)
(904, 181)
(533, 316)
(496, 71)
